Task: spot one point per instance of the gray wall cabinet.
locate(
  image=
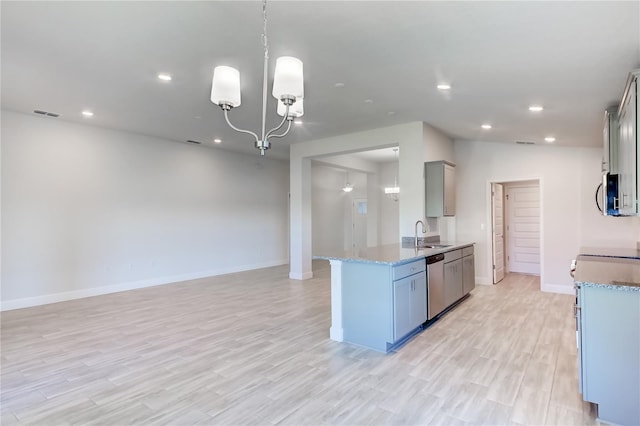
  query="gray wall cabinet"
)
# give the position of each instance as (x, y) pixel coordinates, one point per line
(440, 188)
(610, 138)
(628, 152)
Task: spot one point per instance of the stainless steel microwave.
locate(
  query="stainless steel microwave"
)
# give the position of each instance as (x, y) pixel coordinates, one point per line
(610, 198)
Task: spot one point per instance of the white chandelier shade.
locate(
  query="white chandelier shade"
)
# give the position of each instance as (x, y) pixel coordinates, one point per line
(296, 110)
(225, 88)
(288, 81)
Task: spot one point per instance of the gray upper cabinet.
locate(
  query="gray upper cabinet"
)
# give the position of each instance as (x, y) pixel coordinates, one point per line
(440, 188)
(610, 139)
(628, 152)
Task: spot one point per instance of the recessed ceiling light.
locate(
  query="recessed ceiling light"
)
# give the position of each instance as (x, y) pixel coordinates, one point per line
(443, 86)
(550, 139)
(339, 84)
(87, 113)
(368, 101)
(164, 77)
(535, 108)
(217, 140)
(298, 122)
(391, 113)
(486, 126)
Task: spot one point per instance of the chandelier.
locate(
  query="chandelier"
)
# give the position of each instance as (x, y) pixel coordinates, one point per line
(288, 89)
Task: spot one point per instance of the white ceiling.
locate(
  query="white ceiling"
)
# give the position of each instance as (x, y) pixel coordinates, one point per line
(499, 57)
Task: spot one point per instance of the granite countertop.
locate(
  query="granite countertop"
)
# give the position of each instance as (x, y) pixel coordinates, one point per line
(619, 273)
(391, 254)
(628, 253)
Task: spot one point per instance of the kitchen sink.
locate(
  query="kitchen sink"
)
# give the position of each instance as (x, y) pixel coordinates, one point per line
(435, 246)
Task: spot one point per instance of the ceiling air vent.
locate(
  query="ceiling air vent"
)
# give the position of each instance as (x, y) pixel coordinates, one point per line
(525, 143)
(194, 142)
(46, 113)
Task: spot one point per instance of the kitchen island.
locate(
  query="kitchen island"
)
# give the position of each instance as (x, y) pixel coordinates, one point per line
(379, 294)
(608, 332)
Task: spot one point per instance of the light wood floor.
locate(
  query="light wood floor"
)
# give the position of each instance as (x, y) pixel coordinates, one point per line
(253, 348)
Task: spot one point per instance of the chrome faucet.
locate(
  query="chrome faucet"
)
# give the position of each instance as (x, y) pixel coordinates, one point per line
(415, 241)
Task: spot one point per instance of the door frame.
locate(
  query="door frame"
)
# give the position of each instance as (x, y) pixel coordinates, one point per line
(508, 211)
(493, 235)
(488, 213)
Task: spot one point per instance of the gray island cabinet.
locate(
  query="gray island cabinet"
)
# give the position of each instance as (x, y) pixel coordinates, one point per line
(380, 295)
(383, 304)
(608, 336)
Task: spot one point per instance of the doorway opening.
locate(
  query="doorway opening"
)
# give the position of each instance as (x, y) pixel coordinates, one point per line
(359, 224)
(516, 228)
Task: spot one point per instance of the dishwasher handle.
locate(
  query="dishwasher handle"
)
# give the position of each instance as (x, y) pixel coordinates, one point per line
(435, 258)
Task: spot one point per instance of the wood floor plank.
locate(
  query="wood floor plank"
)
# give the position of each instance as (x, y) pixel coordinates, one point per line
(253, 348)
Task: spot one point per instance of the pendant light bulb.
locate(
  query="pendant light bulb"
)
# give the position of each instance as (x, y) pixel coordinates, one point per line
(347, 186)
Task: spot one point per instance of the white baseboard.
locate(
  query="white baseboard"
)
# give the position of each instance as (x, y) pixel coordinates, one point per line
(27, 302)
(300, 275)
(557, 288)
(336, 334)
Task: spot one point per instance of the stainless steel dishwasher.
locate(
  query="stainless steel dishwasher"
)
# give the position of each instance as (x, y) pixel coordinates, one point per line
(435, 285)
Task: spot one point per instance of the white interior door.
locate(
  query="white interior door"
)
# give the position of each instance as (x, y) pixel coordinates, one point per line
(523, 229)
(497, 231)
(360, 223)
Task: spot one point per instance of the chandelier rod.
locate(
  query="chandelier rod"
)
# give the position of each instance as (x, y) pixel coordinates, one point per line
(285, 118)
(265, 68)
(249, 132)
(281, 135)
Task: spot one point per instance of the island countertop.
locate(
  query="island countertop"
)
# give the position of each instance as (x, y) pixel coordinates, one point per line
(391, 254)
(628, 253)
(618, 273)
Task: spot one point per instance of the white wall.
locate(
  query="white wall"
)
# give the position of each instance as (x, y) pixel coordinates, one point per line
(389, 209)
(406, 135)
(568, 179)
(327, 208)
(437, 147)
(89, 211)
(331, 208)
